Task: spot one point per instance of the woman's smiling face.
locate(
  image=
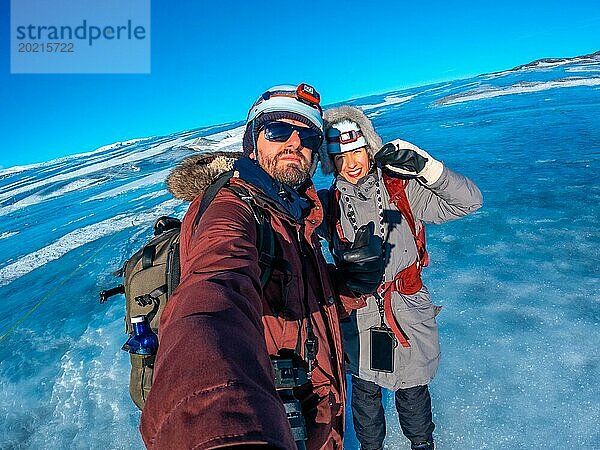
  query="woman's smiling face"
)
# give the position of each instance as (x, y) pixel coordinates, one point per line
(352, 165)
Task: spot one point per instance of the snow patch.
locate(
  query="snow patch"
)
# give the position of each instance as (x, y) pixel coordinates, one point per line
(80, 219)
(80, 237)
(451, 124)
(76, 185)
(8, 234)
(155, 178)
(583, 69)
(388, 101)
(151, 195)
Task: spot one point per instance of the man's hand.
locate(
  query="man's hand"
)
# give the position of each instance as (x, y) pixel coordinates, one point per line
(362, 265)
(410, 161)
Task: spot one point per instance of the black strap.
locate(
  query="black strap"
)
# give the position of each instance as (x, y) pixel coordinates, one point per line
(106, 294)
(211, 192)
(311, 343)
(265, 243)
(265, 236)
(265, 240)
(173, 268)
(152, 297)
(148, 254)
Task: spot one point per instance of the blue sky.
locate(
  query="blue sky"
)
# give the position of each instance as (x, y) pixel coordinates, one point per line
(210, 60)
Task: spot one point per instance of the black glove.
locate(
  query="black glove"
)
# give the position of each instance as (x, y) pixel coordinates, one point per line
(362, 265)
(410, 161)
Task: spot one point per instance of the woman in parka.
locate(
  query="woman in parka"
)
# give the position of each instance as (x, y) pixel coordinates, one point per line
(392, 342)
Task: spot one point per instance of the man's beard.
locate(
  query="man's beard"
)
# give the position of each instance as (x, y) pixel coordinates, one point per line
(287, 173)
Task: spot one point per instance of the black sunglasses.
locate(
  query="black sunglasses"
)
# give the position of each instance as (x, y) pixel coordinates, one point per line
(281, 131)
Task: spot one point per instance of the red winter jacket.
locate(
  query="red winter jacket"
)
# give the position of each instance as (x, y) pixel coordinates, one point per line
(213, 381)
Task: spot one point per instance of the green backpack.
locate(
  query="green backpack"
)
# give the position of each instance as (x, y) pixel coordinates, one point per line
(152, 273)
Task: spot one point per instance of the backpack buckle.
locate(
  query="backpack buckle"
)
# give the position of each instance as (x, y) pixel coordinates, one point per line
(144, 300)
(152, 297)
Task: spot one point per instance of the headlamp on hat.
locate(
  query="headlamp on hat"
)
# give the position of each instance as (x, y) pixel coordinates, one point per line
(343, 137)
(302, 100)
(300, 103)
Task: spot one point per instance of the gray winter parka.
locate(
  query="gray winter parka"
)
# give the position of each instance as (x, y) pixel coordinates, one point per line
(451, 197)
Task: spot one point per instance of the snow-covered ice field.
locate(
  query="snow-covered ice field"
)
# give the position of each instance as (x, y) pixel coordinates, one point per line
(519, 279)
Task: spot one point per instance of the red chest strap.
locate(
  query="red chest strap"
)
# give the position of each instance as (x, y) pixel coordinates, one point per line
(407, 282)
(397, 192)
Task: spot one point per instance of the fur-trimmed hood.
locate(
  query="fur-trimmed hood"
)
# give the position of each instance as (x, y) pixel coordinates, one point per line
(195, 173)
(339, 114)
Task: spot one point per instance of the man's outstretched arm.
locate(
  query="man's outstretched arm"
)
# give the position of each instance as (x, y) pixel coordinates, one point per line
(213, 383)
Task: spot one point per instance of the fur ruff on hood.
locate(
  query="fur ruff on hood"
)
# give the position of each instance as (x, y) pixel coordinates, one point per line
(339, 114)
(195, 173)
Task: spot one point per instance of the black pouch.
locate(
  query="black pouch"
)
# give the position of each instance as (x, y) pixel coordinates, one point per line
(383, 343)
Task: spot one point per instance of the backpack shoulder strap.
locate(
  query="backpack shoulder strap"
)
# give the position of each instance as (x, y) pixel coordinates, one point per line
(211, 192)
(265, 241)
(265, 236)
(396, 188)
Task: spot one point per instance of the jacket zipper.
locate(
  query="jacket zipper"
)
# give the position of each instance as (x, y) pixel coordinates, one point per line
(310, 343)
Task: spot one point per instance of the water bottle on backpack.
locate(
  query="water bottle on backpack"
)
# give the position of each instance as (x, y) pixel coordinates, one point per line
(143, 341)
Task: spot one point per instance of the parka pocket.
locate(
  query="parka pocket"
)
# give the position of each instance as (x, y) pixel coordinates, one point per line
(369, 310)
(420, 326)
(414, 309)
(418, 315)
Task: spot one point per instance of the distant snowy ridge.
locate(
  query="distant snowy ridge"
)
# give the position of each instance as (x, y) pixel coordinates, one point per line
(486, 92)
(592, 60)
(229, 140)
(555, 62)
(198, 144)
(114, 145)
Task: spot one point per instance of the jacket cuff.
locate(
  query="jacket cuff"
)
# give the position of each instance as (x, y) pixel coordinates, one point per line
(432, 171)
(200, 422)
(349, 300)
